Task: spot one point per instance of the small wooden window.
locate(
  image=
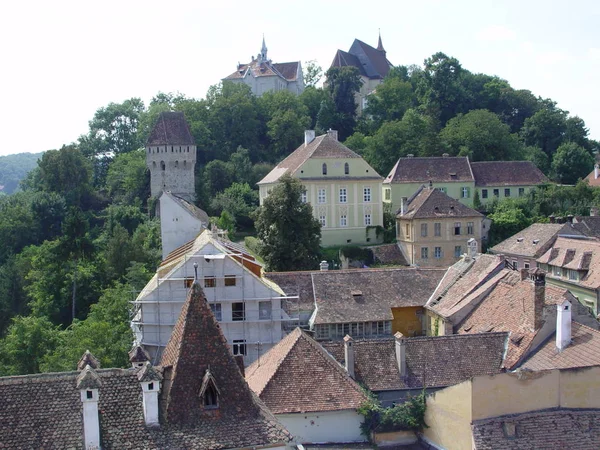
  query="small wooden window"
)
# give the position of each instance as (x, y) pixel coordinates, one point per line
(188, 282)
(230, 280)
(210, 282)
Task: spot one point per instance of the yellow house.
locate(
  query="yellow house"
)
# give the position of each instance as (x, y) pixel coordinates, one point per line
(344, 191)
(433, 229)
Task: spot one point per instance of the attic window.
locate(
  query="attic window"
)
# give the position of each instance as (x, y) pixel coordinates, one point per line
(150, 386)
(536, 241)
(519, 239)
(452, 175)
(89, 395)
(209, 393)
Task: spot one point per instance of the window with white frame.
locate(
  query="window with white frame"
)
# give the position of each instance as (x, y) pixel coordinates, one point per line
(457, 251)
(424, 230)
(216, 310)
(323, 221)
(465, 192)
(265, 310)
(343, 195)
(322, 195)
(424, 252)
(470, 227)
(437, 252)
(367, 194)
(437, 229)
(343, 220)
(442, 189)
(573, 275)
(238, 311)
(556, 271)
(239, 347)
(388, 193)
(367, 219)
(457, 228)
(304, 196)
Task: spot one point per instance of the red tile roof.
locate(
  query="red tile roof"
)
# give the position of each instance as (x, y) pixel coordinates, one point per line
(577, 254)
(429, 202)
(284, 378)
(507, 173)
(435, 169)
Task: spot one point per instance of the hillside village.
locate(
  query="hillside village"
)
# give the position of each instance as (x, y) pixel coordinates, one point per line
(450, 322)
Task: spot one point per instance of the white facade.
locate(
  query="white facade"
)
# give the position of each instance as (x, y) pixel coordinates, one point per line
(172, 169)
(247, 306)
(178, 225)
(323, 427)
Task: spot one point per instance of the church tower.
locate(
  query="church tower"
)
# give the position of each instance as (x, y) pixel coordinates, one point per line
(171, 157)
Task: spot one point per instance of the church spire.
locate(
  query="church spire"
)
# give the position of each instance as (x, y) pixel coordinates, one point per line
(379, 44)
(263, 50)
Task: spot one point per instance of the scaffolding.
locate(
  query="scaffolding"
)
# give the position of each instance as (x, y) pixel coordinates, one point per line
(249, 331)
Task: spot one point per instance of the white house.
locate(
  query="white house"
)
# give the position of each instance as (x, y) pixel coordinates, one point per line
(251, 309)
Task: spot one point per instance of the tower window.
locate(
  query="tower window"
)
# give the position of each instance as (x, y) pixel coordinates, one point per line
(184, 164)
(162, 165)
(154, 164)
(176, 163)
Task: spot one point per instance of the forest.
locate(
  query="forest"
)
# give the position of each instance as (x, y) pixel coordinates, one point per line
(79, 239)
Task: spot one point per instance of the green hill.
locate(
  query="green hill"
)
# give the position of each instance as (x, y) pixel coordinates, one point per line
(13, 168)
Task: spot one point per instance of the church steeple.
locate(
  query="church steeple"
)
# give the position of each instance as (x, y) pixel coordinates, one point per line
(263, 50)
(379, 44)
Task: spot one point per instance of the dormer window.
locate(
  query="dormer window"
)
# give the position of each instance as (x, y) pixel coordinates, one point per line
(209, 393)
(346, 169)
(89, 394)
(210, 397)
(324, 169)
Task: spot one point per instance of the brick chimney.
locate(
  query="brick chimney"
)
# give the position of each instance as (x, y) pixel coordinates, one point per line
(400, 353)
(309, 136)
(539, 297)
(563, 325)
(349, 354)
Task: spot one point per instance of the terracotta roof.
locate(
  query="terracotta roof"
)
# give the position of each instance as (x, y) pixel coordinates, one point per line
(560, 428)
(171, 128)
(432, 203)
(196, 346)
(577, 254)
(196, 212)
(531, 242)
(509, 307)
(462, 283)
(389, 254)
(430, 361)
(583, 351)
(285, 378)
(592, 180)
(322, 147)
(296, 283)
(507, 173)
(287, 71)
(435, 169)
(380, 290)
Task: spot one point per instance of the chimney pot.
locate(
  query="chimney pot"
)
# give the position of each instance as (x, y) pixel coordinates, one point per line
(324, 266)
(593, 211)
(596, 171)
(563, 325)
(309, 136)
(552, 218)
(400, 353)
(570, 218)
(539, 296)
(349, 354)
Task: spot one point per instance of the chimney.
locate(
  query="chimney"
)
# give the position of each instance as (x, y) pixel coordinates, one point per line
(593, 211)
(309, 136)
(524, 274)
(349, 355)
(150, 379)
(403, 205)
(563, 325)
(324, 266)
(239, 360)
(472, 247)
(570, 218)
(401, 353)
(88, 384)
(539, 296)
(410, 155)
(333, 134)
(445, 155)
(552, 218)
(596, 171)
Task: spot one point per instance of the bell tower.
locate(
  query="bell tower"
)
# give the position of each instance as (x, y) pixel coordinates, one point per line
(171, 156)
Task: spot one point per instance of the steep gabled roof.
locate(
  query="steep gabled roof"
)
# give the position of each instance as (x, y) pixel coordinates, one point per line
(192, 209)
(531, 242)
(196, 346)
(171, 128)
(345, 59)
(285, 378)
(588, 225)
(507, 173)
(430, 361)
(374, 61)
(321, 147)
(434, 169)
(345, 296)
(429, 202)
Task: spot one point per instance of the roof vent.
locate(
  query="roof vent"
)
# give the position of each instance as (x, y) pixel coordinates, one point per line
(536, 241)
(519, 239)
(445, 155)
(356, 293)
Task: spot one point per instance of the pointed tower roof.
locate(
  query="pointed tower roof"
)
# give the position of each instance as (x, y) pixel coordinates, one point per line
(196, 348)
(263, 49)
(379, 44)
(171, 128)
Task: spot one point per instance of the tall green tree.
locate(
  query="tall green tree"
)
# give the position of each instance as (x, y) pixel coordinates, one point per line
(342, 85)
(571, 162)
(289, 233)
(546, 128)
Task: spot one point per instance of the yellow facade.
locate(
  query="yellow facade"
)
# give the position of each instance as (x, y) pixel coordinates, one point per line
(407, 321)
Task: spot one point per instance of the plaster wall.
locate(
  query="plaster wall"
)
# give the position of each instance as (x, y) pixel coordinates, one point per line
(177, 225)
(172, 169)
(453, 189)
(449, 417)
(324, 427)
(407, 321)
(513, 192)
(587, 297)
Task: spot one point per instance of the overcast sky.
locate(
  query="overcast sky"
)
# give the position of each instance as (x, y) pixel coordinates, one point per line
(62, 60)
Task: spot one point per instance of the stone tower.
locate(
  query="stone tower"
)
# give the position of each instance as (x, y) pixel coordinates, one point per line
(171, 156)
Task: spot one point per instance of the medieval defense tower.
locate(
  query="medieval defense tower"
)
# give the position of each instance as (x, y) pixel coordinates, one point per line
(171, 156)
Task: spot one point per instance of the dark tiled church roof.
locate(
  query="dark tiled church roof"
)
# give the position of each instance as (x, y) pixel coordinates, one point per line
(171, 128)
(371, 62)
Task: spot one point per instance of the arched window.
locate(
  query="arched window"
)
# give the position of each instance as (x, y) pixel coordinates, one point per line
(162, 165)
(324, 169)
(176, 164)
(347, 169)
(210, 396)
(184, 164)
(209, 393)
